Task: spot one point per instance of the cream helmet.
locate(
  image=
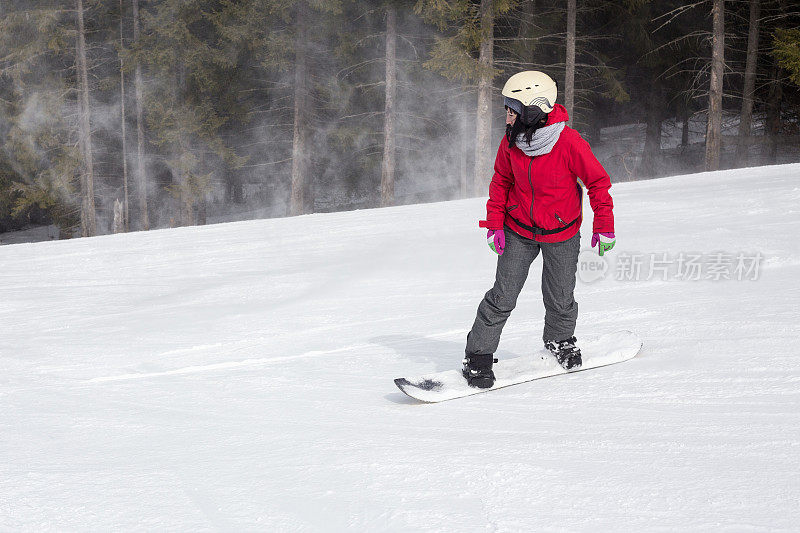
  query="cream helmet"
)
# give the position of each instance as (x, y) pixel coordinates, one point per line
(530, 88)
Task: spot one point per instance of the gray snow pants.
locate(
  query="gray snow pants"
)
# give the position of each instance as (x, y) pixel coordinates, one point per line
(560, 263)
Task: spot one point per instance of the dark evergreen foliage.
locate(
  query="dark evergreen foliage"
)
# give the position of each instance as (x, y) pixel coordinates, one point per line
(219, 97)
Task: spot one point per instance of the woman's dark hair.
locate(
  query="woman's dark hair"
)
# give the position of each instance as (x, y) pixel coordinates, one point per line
(519, 127)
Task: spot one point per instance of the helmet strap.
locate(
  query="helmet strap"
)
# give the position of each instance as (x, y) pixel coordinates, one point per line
(532, 115)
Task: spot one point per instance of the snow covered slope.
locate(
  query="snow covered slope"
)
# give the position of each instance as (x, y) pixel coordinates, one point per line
(238, 377)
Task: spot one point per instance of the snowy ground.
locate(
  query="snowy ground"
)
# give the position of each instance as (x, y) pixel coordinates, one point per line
(238, 377)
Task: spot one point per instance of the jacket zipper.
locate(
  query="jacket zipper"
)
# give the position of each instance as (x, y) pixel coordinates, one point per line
(530, 164)
(559, 219)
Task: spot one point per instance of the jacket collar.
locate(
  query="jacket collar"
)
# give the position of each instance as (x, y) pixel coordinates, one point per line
(558, 114)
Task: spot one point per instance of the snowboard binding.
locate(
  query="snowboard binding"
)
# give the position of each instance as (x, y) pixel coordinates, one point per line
(567, 354)
(478, 370)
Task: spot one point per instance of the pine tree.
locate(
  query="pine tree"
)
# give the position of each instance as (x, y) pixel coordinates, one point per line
(39, 75)
(123, 121)
(278, 35)
(748, 92)
(787, 51)
(714, 130)
(483, 134)
(471, 31)
(183, 113)
(389, 119)
(141, 169)
(302, 200)
(88, 216)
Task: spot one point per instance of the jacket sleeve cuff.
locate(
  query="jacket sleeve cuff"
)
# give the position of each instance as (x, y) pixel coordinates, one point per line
(491, 224)
(603, 228)
(603, 224)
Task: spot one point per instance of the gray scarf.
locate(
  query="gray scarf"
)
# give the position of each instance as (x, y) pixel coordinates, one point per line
(542, 141)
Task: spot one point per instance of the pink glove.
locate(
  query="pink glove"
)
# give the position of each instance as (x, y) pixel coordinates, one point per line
(606, 241)
(496, 240)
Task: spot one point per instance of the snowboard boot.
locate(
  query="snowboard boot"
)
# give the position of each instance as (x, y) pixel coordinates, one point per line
(567, 354)
(478, 370)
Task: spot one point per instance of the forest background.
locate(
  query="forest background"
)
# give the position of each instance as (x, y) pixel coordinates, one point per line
(122, 115)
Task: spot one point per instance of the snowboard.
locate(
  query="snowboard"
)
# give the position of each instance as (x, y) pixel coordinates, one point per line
(606, 350)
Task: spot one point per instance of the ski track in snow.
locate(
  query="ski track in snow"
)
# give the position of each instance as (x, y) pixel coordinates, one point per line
(238, 377)
(233, 364)
(219, 366)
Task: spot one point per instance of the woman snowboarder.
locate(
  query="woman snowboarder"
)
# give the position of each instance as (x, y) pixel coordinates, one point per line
(535, 204)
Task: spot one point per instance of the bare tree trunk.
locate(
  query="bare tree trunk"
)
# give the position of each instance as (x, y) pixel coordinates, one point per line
(745, 122)
(388, 166)
(126, 212)
(685, 128)
(299, 148)
(483, 148)
(714, 130)
(234, 190)
(569, 78)
(774, 123)
(183, 146)
(465, 138)
(186, 196)
(186, 207)
(652, 143)
(202, 202)
(141, 171)
(774, 113)
(88, 219)
(202, 216)
(526, 30)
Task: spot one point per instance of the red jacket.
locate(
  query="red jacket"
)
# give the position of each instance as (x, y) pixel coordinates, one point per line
(543, 191)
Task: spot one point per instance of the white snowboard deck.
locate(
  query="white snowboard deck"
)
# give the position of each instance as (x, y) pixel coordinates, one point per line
(606, 350)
